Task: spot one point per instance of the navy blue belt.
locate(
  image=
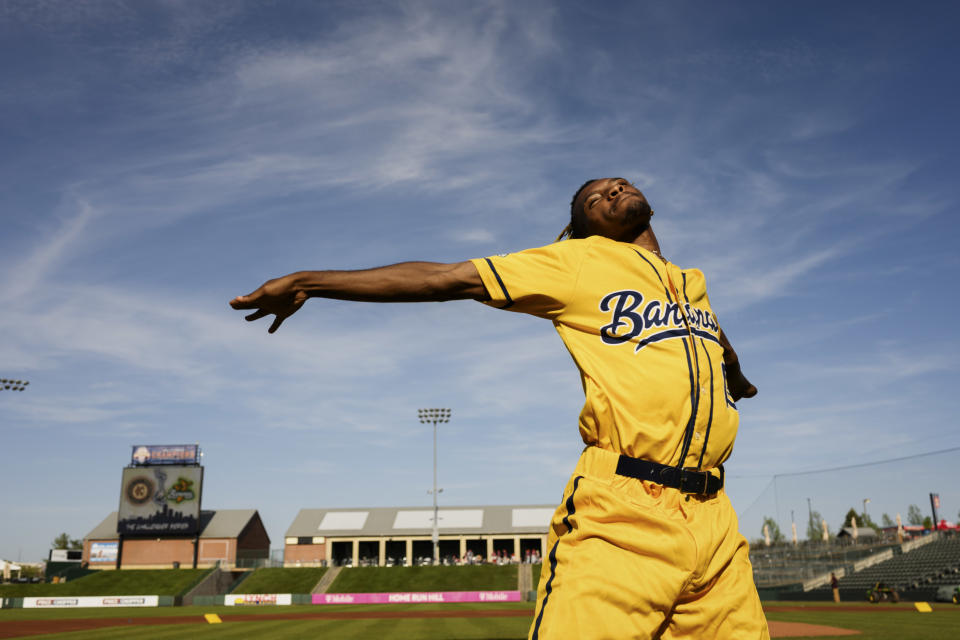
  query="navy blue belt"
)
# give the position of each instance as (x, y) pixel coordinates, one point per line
(686, 480)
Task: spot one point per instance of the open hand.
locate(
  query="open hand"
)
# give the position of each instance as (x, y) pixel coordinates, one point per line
(280, 297)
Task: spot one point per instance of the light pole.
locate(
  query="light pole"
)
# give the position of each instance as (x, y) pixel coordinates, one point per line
(435, 416)
(13, 385)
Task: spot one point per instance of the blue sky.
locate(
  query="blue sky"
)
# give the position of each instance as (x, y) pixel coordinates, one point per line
(159, 158)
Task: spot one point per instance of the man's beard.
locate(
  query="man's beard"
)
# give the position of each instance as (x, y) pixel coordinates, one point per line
(636, 210)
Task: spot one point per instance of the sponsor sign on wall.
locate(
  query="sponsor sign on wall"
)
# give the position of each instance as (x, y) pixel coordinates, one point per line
(247, 599)
(157, 501)
(103, 552)
(91, 601)
(417, 597)
(151, 454)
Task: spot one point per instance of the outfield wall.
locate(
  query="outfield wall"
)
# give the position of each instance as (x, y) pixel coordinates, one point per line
(417, 597)
(76, 602)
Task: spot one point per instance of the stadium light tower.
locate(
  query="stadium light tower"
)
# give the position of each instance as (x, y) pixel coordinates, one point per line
(13, 385)
(436, 416)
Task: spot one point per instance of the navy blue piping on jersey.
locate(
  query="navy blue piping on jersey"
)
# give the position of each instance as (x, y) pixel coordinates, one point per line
(694, 385)
(706, 436)
(553, 558)
(694, 407)
(506, 293)
(726, 388)
(706, 335)
(694, 396)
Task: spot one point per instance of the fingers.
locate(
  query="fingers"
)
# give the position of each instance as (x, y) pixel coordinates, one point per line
(256, 315)
(244, 302)
(276, 323)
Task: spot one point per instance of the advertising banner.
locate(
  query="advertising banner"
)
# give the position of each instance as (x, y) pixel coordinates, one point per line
(254, 599)
(151, 454)
(157, 501)
(417, 597)
(91, 601)
(103, 552)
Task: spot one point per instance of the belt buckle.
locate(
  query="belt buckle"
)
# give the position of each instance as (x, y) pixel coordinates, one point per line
(669, 477)
(694, 481)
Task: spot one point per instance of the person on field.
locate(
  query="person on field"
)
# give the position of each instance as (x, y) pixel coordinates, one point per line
(645, 543)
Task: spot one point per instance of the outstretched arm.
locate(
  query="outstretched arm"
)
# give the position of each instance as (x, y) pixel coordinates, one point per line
(740, 387)
(404, 282)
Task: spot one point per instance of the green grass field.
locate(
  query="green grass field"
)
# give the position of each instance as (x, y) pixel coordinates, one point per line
(901, 622)
(386, 579)
(162, 582)
(277, 580)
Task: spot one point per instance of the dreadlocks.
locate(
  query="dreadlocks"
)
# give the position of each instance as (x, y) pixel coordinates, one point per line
(577, 228)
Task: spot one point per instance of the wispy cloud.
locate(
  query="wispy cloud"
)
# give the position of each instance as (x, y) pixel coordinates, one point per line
(41, 264)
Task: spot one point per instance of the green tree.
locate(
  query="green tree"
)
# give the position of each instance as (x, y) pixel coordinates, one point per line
(64, 541)
(776, 535)
(928, 523)
(848, 519)
(914, 515)
(814, 528)
(887, 521)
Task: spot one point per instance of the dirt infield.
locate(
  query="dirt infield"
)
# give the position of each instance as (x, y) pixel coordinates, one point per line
(22, 628)
(833, 607)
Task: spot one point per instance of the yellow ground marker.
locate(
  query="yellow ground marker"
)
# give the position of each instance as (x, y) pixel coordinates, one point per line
(923, 607)
(212, 618)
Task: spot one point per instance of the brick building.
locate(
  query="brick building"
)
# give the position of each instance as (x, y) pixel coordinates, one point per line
(234, 538)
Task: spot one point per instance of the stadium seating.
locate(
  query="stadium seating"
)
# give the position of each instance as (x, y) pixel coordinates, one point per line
(915, 575)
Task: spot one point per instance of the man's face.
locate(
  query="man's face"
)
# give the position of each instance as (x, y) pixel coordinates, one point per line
(615, 209)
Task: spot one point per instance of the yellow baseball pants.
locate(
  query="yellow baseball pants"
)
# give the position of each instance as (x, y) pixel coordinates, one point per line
(632, 559)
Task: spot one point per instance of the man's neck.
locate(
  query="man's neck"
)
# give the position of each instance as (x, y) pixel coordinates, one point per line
(648, 240)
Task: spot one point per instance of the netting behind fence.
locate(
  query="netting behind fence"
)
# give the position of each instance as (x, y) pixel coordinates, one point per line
(876, 491)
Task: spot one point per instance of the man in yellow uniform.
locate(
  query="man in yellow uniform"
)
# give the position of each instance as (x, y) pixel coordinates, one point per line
(645, 543)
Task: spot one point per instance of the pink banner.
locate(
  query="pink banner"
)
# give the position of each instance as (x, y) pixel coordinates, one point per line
(418, 597)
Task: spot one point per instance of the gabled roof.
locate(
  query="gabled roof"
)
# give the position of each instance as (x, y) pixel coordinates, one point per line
(862, 532)
(221, 523)
(417, 521)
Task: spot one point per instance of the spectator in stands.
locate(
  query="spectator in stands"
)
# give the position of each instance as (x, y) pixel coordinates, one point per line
(835, 585)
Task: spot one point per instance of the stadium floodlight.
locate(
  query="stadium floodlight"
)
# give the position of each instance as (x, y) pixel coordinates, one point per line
(13, 385)
(436, 416)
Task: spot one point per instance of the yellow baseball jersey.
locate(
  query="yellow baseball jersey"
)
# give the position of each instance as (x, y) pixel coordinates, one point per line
(645, 340)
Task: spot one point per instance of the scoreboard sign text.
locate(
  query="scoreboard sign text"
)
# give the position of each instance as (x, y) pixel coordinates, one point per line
(158, 501)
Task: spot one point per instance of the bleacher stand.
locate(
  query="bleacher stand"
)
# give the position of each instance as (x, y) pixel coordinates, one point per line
(915, 571)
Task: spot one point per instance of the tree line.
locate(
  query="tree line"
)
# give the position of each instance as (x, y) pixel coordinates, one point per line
(815, 527)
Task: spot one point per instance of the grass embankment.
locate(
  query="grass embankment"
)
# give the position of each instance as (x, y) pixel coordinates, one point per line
(277, 580)
(132, 582)
(393, 579)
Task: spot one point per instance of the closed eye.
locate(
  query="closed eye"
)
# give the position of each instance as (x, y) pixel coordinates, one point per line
(593, 199)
